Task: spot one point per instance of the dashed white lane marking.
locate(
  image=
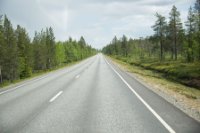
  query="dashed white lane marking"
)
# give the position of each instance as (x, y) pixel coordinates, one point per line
(77, 76)
(22, 85)
(56, 96)
(142, 100)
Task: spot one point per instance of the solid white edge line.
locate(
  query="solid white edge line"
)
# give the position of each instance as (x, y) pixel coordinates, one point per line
(56, 96)
(12, 89)
(142, 100)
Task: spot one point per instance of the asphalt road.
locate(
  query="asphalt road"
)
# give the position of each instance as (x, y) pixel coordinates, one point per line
(93, 96)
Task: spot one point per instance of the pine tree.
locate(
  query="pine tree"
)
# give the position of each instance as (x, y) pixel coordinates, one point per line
(197, 22)
(124, 46)
(40, 51)
(50, 48)
(2, 47)
(60, 54)
(19, 57)
(190, 24)
(82, 44)
(160, 31)
(175, 26)
(115, 42)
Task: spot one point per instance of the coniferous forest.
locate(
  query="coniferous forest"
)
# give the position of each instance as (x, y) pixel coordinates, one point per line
(21, 56)
(173, 49)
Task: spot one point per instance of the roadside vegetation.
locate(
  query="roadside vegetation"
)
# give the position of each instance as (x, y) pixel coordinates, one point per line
(184, 97)
(21, 57)
(173, 52)
(158, 79)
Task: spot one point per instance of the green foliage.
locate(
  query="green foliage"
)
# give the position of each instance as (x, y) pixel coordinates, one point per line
(24, 52)
(197, 26)
(60, 54)
(170, 41)
(175, 29)
(185, 73)
(19, 57)
(172, 51)
(9, 58)
(40, 51)
(190, 23)
(159, 79)
(75, 51)
(160, 30)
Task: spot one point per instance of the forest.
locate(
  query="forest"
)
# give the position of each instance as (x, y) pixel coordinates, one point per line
(21, 56)
(173, 49)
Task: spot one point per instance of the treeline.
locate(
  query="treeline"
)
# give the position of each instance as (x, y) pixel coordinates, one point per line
(20, 57)
(170, 41)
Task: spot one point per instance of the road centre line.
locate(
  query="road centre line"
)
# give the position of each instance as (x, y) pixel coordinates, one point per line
(56, 96)
(143, 101)
(77, 76)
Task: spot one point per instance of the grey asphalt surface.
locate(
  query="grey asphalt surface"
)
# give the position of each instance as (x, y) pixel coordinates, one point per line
(88, 98)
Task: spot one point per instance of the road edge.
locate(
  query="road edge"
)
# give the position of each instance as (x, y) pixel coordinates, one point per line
(165, 96)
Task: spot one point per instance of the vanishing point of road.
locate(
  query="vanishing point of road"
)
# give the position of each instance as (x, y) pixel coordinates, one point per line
(93, 96)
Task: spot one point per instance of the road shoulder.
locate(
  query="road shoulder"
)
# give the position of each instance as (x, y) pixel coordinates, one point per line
(187, 104)
(36, 76)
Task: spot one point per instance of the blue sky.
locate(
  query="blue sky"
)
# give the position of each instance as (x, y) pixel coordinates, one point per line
(97, 20)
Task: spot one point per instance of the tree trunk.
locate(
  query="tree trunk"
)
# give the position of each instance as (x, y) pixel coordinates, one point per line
(161, 49)
(175, 47)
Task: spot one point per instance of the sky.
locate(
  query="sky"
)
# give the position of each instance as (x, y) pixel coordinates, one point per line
(98, 21)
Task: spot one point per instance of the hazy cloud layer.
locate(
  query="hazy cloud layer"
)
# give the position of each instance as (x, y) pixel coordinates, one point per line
(97, 20)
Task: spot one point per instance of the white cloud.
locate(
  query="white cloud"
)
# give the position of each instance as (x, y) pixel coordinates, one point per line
(97, 20)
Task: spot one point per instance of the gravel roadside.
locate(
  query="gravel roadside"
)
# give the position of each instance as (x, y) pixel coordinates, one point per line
(188, 105)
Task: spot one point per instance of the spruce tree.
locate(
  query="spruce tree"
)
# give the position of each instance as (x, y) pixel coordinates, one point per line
(24, 52)
(10, 64)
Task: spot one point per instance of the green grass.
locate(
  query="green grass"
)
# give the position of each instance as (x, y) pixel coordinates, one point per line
(184, 73)
(38, 73)
(156, 75)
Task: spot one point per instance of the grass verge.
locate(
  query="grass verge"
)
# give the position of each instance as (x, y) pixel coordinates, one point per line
(183, 97)
(158, 79)
(39, 73)
(185, 73)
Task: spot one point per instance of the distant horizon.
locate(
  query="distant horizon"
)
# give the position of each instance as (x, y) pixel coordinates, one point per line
(97, 21)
